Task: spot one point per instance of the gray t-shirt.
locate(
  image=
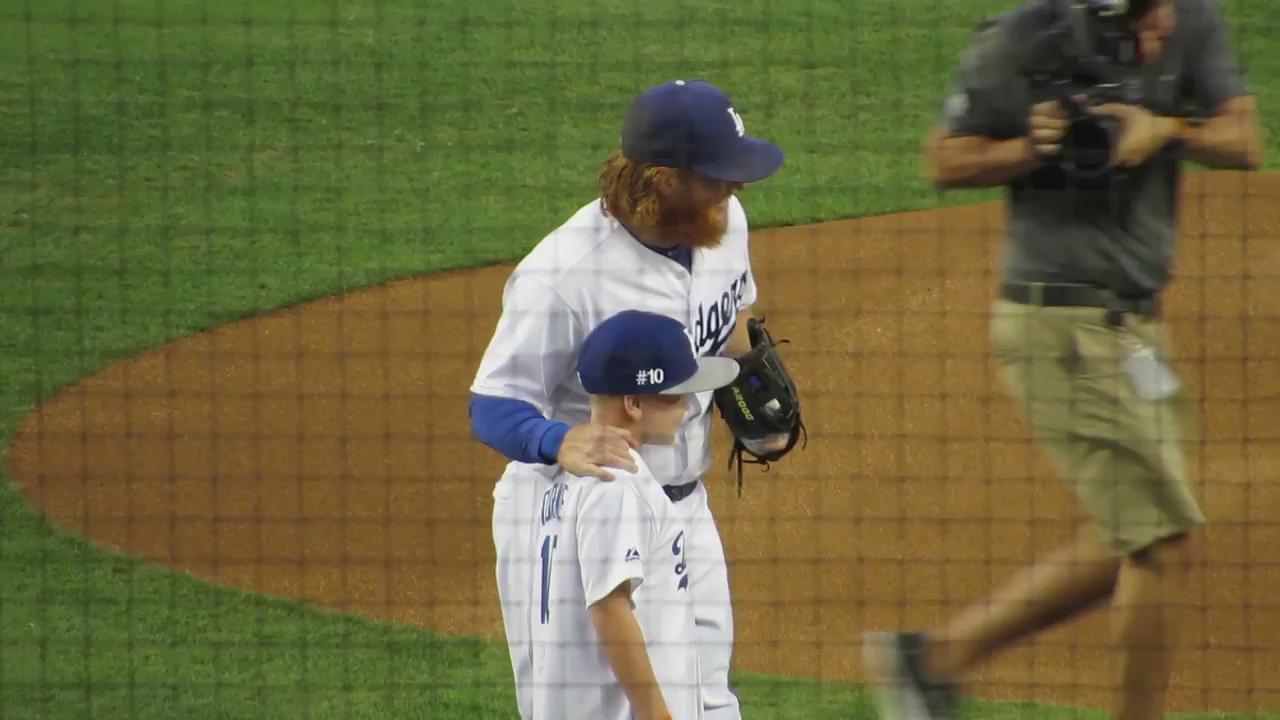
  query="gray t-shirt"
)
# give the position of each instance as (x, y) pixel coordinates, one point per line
(1117, 235)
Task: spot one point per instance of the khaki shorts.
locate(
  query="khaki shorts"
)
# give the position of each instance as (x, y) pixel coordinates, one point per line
(1121, 449)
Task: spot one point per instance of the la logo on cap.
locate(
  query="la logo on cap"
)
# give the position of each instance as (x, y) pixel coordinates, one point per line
(737, 122)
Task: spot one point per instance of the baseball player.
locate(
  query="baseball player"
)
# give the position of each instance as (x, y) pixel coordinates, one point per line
(666, 235)
(1077, 325)
(614, 634)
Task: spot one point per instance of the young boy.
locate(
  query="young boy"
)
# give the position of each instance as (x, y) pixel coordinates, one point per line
(613, 627)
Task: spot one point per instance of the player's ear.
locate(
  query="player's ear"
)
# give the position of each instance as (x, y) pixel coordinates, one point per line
(668, 181)
(631, 407)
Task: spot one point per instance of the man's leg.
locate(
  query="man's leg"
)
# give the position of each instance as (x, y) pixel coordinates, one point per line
(712, 607)
(1146, 588)
(515, 500)
(1123, 455)
(1145, 620)
(1134, 483)
(918, 675)
(1073, 579)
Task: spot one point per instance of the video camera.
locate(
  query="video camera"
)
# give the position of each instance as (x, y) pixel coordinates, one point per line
(1086, 60)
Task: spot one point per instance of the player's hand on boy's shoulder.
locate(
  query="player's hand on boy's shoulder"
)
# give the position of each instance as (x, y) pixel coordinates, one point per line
(589, 450)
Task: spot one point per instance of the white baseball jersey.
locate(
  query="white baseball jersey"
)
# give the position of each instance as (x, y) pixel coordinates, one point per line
(594, 536)
(587, 270)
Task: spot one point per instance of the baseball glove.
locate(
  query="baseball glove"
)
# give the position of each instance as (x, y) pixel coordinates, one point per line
(761, 403)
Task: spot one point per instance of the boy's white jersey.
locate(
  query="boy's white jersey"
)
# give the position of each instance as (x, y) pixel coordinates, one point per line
(593, 536)
(582, 273)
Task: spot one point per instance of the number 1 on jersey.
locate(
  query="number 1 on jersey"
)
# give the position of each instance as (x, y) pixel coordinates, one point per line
(548, 552)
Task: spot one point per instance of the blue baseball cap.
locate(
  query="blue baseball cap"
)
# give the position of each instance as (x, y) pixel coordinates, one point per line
(692, 125)
(643, 353)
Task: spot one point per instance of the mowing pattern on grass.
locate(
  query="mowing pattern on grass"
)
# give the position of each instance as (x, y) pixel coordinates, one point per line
(320, 453)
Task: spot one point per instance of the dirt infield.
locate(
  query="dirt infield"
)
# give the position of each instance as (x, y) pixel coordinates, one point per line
(321, 452)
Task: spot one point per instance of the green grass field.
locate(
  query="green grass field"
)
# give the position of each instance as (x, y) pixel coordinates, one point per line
(169, 166)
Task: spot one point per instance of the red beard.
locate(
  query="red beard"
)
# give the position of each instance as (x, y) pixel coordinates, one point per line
(695, 227)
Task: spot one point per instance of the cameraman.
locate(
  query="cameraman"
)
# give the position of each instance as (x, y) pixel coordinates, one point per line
(1076, 326)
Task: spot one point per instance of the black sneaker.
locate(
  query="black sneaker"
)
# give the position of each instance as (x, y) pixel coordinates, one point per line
(902, 689)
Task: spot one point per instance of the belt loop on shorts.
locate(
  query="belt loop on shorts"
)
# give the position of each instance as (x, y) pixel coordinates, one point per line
(1035, 294)
(1115, 310)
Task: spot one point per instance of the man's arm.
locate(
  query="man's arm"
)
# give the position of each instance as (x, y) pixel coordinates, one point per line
(973, 161)
(984, 135)
(516, 428)
(624, 647)
(1231, 134)
(530, 354)
(740, 340)
(740, 344)
(1232, 138)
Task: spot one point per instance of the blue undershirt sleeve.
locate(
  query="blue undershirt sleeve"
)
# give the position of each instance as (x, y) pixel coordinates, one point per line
(516, 429)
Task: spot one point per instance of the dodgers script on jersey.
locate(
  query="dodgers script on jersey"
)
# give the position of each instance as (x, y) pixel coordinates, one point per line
(587, 270)
(592, 537)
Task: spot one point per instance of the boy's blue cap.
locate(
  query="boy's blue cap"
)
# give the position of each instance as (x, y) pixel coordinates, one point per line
(692, 125)
(643, 353)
